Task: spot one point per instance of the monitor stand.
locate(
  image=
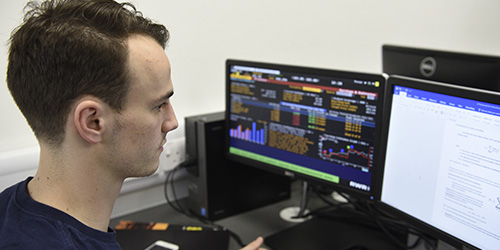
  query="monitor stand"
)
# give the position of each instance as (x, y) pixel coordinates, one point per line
(297, 214)
(321, 233)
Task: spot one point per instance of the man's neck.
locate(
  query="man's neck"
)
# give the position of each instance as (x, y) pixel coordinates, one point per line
(80, 190)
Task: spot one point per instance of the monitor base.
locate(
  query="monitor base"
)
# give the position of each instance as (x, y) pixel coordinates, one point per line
(327, 234)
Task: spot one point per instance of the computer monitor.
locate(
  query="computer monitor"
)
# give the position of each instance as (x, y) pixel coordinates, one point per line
(319, 125)
(472, 70)
(441, 160)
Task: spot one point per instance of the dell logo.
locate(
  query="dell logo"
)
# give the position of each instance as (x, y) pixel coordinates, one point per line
(428, 66)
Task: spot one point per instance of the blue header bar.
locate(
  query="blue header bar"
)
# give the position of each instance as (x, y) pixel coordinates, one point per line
(452, 101)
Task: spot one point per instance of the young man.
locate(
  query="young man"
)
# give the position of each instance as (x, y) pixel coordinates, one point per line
(93, 81)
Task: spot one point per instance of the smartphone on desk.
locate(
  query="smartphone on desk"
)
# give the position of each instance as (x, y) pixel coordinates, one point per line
(162, 245)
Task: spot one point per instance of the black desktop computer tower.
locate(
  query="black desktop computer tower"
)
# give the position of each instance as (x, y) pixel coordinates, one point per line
(218, 187)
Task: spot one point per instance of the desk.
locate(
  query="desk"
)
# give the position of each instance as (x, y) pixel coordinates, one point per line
(245, 225)
(263, 221)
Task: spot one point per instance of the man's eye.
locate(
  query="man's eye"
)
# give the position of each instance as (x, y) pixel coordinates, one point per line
(160, 106)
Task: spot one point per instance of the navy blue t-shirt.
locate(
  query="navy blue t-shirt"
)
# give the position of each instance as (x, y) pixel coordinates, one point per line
(27, 224)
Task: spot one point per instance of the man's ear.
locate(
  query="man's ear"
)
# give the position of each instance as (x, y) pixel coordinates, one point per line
(89, 120)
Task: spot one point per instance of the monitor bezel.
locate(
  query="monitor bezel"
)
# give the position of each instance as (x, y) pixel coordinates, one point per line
(433, 86)
(483, 71)
(308, 70)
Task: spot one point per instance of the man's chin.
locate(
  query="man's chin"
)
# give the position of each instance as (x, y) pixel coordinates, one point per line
(153, 170)
(146, 172)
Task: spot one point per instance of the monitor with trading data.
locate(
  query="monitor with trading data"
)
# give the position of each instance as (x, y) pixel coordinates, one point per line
(441, 160)
(318, 125)
(472, 70)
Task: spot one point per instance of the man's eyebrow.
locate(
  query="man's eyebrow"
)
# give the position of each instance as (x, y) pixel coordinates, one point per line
(166, 96)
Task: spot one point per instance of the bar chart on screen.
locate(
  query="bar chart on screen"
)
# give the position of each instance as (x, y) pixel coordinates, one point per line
(253, 132)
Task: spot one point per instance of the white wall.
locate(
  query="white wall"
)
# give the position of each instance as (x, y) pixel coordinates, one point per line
(320, 33)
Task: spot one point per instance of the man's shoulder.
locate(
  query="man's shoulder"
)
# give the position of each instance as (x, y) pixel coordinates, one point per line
(27, 224)
(7, 197)
(16, 226)
(9, 190)
(38, 232)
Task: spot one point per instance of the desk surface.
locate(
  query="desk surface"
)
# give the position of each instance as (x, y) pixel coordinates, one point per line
(245, 225)
(264, 221)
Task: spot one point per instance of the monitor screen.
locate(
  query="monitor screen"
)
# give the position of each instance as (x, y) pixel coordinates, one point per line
(442, 160)
(318, 125)
(477, 71)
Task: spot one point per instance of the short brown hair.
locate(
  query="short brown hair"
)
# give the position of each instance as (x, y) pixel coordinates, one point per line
(66, 49)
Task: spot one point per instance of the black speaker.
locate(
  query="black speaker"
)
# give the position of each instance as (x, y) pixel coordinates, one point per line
(218, 187)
